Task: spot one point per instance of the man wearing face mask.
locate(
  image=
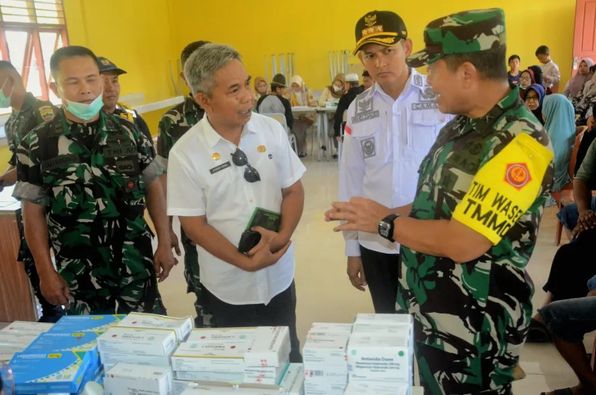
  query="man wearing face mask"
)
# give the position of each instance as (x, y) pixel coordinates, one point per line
(27, 112)
(83, 178)
(111, 93)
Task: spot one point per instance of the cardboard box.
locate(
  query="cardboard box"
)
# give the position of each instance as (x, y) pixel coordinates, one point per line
(182, 326)
(76, 342)
(222, 334)
(118, 340)
(317, 388)
(331, 327)
(210, 356)
(383, 318)
(12, 339)
(205, 387)
(49, 372)
(129, 379)
(374, 357)
(270, 347)
(222, 377)
(84, 323)
(374, 388)
(27, 327)
(111, 359)
(292, 382)
(325, 349)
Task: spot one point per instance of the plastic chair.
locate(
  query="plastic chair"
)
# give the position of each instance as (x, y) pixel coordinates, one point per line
(564, 197)
(281, 118)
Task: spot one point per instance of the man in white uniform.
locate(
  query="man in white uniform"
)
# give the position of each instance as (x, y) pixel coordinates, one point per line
(230, 167)
(390, 128)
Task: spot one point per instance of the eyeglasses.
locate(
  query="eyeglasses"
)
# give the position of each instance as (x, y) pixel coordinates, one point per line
(250, 173)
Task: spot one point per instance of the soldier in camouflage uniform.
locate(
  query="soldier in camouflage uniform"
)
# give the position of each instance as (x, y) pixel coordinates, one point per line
(83, 178)
(172, 126)
(27, 112)
(111, 93)
(467, 237)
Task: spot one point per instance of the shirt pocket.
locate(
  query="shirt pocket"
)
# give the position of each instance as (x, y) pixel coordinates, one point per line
(68, 182)
(424, 129)
(374, 145)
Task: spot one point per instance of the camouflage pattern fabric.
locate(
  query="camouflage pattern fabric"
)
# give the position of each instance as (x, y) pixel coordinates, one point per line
(471, 319)
(172, 126)
(461, 33)
(33, 112)
(133, 117)
(90, 181)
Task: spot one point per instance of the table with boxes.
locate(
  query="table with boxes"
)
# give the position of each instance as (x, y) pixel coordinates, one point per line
(151, 354)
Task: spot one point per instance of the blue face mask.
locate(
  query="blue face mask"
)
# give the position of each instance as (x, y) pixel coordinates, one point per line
(5, 100)
(85, 111)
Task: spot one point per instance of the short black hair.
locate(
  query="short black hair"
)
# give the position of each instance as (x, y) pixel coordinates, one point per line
(542, 50)
(490, 63)
(593, 68)
(5, 65)
(189, 49)
(537, 70)
(513, 57)
(70, 51)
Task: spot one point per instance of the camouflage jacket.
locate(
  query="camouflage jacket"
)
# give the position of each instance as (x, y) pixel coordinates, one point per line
(175, 123)
(90, 178)
(33, 113)
(478, 311)
(133, 116)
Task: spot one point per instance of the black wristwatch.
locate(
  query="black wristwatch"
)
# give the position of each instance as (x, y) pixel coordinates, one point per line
(386, 227)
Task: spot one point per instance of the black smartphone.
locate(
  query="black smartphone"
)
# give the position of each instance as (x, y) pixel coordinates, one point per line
(248, 240)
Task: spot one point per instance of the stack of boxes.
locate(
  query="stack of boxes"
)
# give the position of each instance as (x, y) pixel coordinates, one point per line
(234, 355)
(136, 353)
(63, 359)
(324, 353)
(380, 354)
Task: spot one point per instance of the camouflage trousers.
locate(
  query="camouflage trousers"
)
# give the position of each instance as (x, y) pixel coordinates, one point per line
(192, 275)
(50, 313)
(111, 279)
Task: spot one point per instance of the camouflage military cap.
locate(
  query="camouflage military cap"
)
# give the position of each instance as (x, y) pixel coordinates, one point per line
(461, 33)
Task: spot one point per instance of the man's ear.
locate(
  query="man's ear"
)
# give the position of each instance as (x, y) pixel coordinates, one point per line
(407, 46)
(54, 89)
(468, 73)
(202, 100)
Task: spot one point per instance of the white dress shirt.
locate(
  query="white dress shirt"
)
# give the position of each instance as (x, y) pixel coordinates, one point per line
(203, 181)
(384, 144)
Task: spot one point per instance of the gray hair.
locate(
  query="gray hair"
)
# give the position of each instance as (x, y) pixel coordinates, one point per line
(204, 62)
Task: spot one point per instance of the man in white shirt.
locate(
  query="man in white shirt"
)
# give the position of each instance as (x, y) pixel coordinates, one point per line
(228, 166)
(390, 128)
(550, 70)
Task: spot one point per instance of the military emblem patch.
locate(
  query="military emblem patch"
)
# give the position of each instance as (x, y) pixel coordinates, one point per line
(368, 147)
(46, 113)
(517, 175)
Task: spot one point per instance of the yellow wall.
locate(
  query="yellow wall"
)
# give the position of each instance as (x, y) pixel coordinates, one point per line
(310, 29)
(145, 37)
(4, 157)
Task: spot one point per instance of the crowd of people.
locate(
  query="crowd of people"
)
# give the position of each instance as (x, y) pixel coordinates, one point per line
(425, 159)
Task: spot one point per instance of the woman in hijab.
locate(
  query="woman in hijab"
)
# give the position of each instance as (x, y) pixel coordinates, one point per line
(333, 92)
(526, 78)
(533, 100)
(300, 96)
(261, 87)
(559, 120)
(585, 99)
(577, 82)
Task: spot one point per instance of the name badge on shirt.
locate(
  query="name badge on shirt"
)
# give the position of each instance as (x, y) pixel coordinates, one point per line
(424, 106)
(220, 167)
(368, 147)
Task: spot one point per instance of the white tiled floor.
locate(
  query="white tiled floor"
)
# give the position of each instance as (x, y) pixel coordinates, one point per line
(324, 292)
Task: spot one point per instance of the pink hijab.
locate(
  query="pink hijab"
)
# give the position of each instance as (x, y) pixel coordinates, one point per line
(576, 83)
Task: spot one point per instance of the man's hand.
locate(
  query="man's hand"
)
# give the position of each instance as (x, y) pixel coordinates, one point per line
(54, 288)
(274, 239)
(356, 272)
(260, 256)
(586, 220)
(163, 261)
(359, 214)
(174, 243)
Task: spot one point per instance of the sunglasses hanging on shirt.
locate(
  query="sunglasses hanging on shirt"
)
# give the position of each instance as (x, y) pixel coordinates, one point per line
(250, 173)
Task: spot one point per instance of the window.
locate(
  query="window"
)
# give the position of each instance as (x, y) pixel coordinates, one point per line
(30, 31)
